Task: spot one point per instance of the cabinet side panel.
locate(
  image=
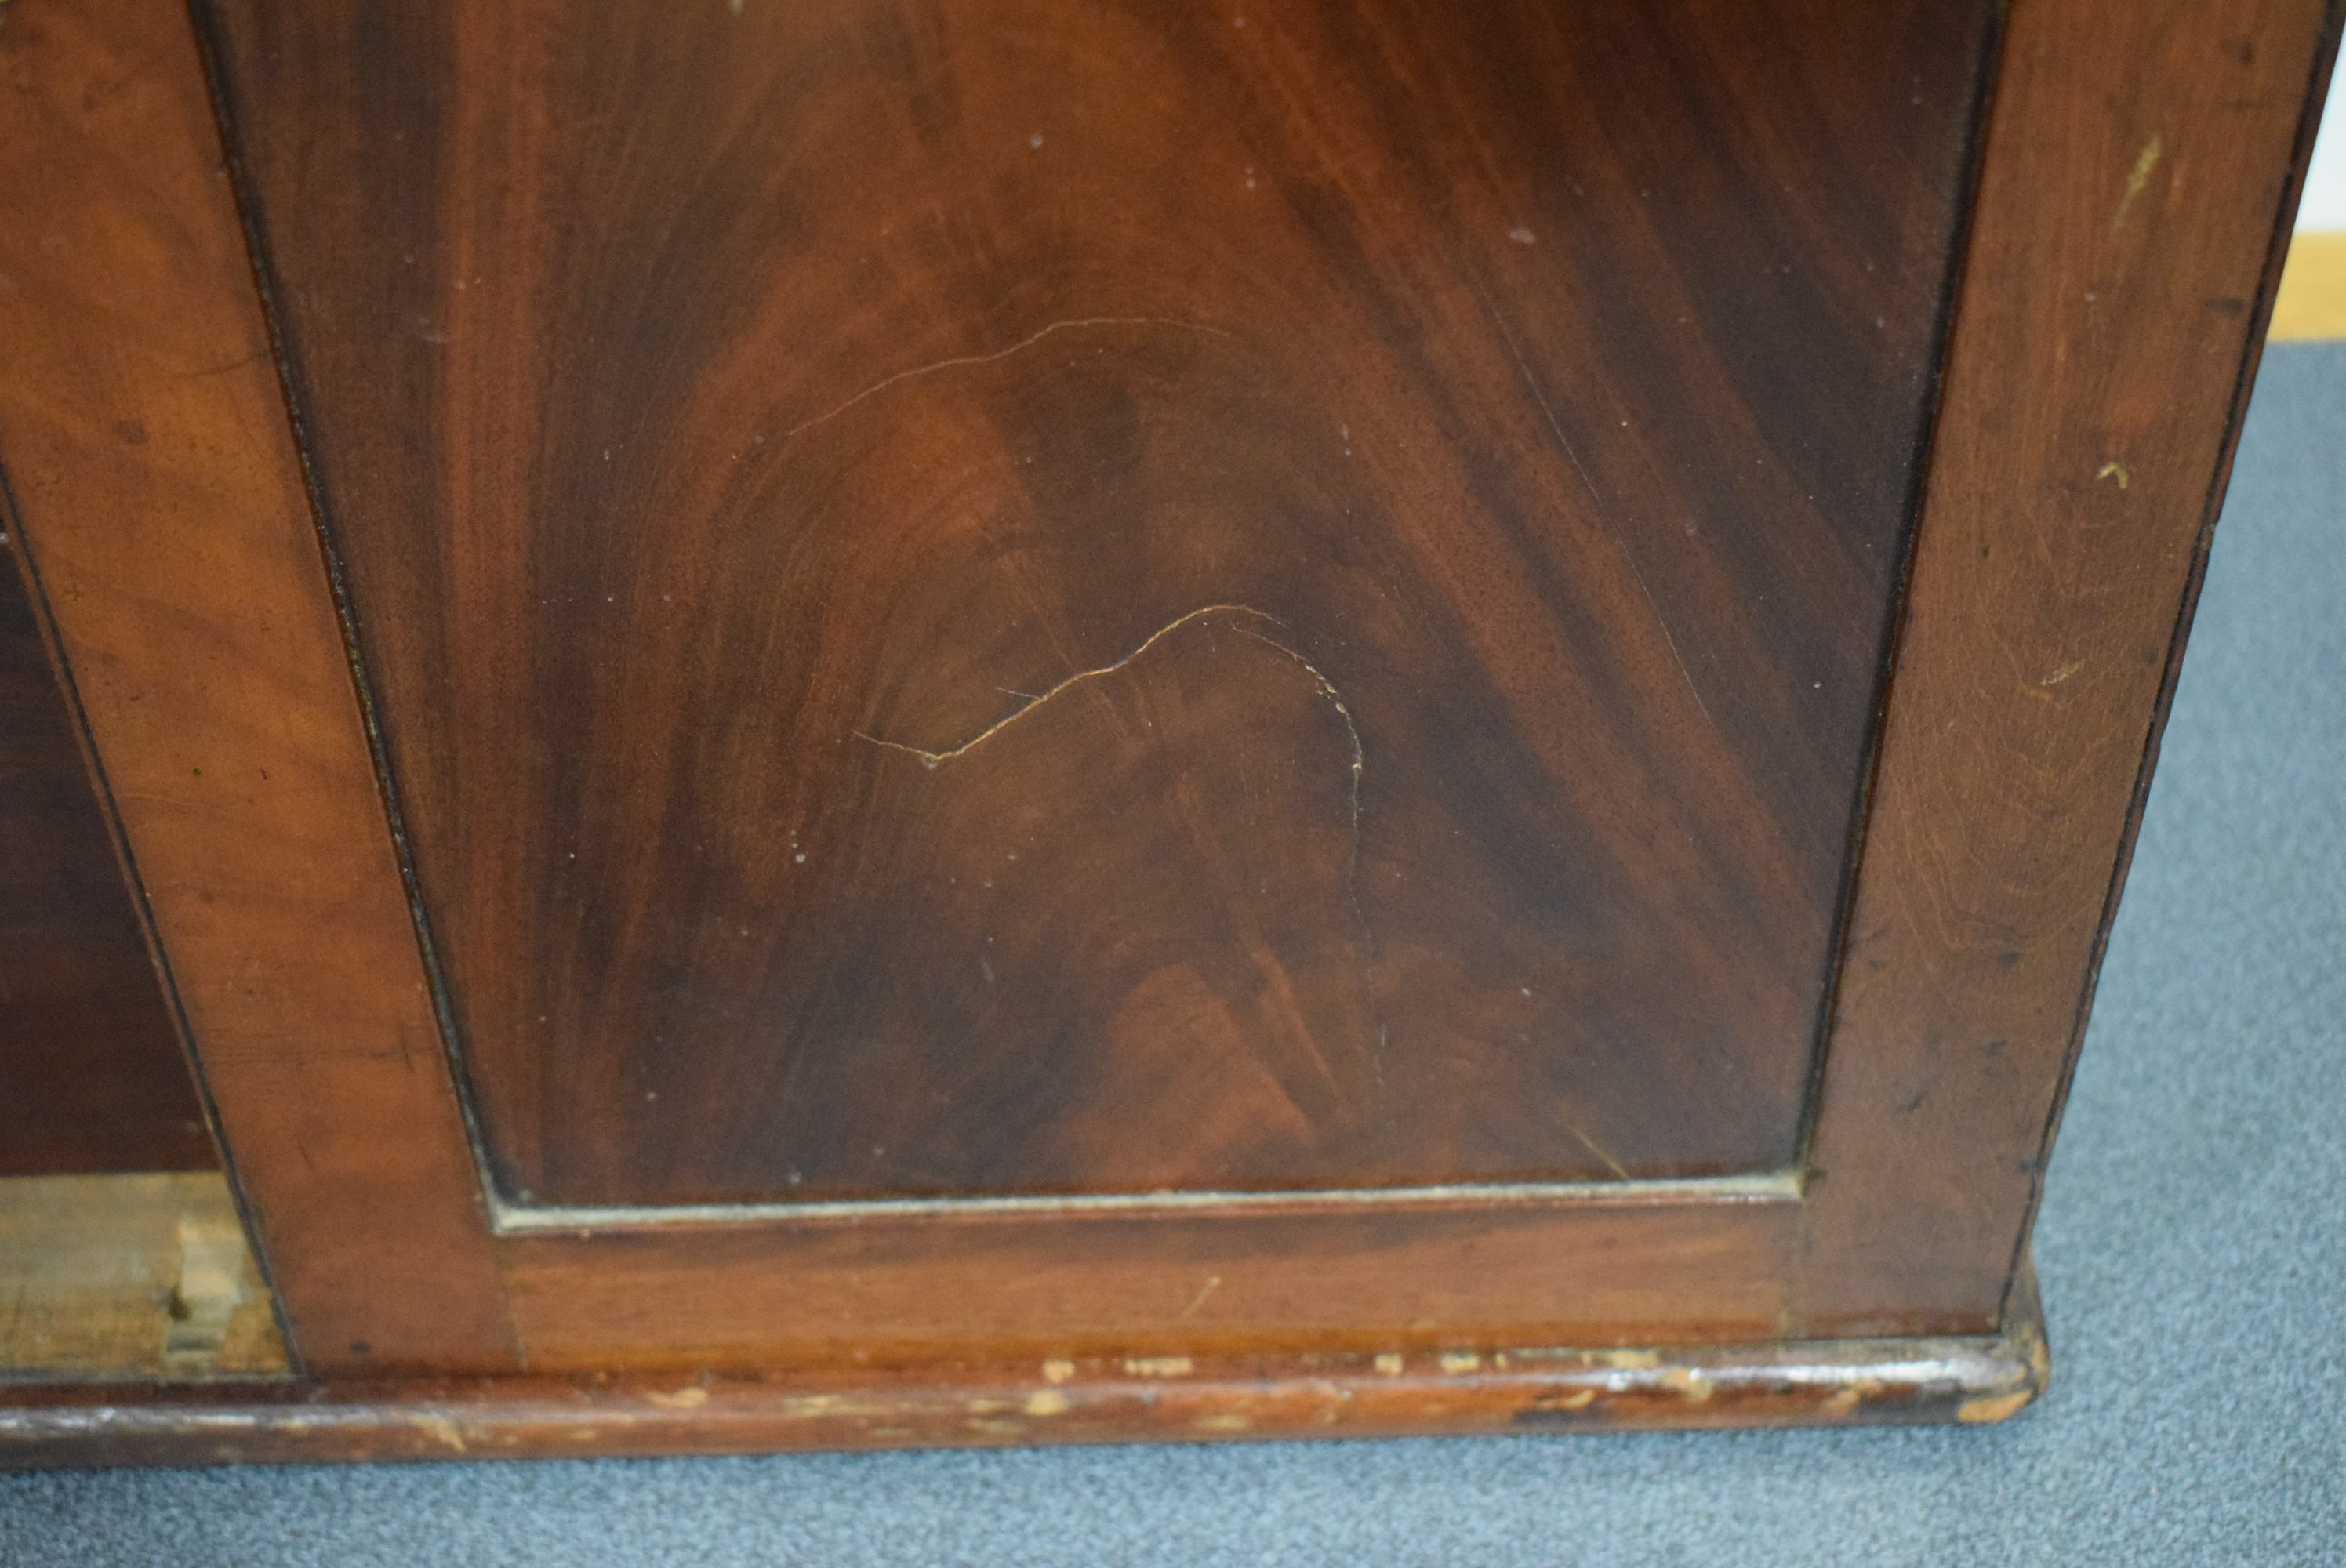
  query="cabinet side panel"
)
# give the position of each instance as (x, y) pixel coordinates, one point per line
(161, 513)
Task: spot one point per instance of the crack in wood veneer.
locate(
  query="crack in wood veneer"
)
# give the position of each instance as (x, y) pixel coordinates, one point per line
(1027, 342)
(1363, 932)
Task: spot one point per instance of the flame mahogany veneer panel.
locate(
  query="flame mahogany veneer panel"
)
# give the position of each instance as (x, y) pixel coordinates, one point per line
(2136, 178)
(994, 595)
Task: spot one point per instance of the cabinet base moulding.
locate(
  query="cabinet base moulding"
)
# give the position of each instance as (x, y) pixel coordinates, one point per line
(1156, 1398)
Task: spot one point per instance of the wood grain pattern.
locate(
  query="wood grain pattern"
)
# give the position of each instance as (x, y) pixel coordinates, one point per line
(1473, 1273)
(91, 1075)
(131, 1277)
(2140, 174)
(1525, 1389)
(195, 615)
(160, 508)
(985, 595)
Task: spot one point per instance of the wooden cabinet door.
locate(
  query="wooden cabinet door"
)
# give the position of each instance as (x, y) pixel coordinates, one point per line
(1097, 690)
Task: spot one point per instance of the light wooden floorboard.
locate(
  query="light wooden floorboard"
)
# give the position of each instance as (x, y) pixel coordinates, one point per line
(2312, 298)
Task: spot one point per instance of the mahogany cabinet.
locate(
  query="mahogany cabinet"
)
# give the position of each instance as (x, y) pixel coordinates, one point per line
(968, 721)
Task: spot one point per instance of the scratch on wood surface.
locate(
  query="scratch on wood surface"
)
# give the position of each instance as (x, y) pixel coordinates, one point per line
(219, 368)
(876, 388)
(1564, 442)
(1213, 1283)
(2064, 672)
(1594, 1148)
(2137, 177)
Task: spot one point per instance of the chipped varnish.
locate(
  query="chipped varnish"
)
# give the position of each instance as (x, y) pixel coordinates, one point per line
(1096, 1399)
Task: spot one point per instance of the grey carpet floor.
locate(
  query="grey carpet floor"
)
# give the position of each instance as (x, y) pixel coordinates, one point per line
(2192, 1251)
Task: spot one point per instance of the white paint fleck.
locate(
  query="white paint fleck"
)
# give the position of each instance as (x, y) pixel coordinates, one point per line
(1522, 236)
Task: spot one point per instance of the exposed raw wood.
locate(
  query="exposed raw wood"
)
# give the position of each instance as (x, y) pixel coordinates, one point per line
(2312, 300)
(130, 1277)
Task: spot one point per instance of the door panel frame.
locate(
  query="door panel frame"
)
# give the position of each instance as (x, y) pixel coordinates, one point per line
(2140, 165)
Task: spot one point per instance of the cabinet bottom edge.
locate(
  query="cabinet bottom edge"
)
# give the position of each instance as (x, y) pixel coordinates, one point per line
(1153, 1399)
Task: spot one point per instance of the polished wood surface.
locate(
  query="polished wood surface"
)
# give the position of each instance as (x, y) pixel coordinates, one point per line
(159, 499)
(91, 1075)
(1477, 1272)
(1527, 1389)
(999, 595)
(2137, 180)
(196, 613)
